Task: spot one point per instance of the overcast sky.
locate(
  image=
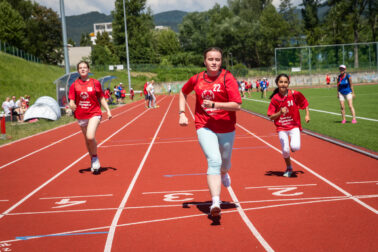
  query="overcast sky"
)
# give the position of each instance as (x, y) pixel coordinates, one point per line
(77, 7)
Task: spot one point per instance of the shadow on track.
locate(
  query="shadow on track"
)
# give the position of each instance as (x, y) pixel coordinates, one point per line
(281, 173)
(204, 207)
(101, 170)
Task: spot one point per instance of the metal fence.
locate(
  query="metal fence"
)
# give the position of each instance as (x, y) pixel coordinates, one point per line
(317, 59)
(7, 48)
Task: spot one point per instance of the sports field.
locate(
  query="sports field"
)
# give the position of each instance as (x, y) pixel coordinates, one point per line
(325, 114)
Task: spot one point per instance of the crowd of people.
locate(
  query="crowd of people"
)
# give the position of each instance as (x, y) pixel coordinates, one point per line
(119, 94)
(246, 87)
(14, 107)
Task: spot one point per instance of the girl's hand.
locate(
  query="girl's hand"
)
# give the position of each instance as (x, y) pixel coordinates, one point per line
(307, 118)
(109, 115)
(353, 95)
(284, 110)
(183, 121)
(72, 106)
(207, 103)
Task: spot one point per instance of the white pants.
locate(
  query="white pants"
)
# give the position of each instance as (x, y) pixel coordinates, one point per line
(295, 141)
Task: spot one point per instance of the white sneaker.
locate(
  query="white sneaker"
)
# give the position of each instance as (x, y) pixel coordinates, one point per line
(215, 210)
(288, 173)
(95, 164)
(226, 180)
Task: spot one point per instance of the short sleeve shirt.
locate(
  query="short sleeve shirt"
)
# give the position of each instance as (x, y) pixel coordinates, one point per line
(294, 101)
(222, 88)
(87, 95)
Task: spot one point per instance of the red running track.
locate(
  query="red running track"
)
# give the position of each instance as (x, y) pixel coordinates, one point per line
(152, 194)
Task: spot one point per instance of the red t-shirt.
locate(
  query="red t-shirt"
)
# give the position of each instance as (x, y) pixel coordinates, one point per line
(145, 92)
(294, 101)
(222, 88)
(86, 95)
(107, 94)
(328, 79)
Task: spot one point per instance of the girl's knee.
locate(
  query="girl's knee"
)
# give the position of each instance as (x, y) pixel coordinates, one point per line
(295, 147)
(286, 152)
(214, 166)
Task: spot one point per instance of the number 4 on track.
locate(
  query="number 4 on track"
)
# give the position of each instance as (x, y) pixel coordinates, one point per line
(67, 203)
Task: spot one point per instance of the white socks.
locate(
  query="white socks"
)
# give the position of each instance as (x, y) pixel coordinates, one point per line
(216, 200)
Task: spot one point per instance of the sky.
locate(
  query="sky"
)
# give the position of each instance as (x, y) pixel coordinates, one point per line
(77, 7)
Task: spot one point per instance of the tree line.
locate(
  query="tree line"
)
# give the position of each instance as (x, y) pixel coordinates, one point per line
(246, 30)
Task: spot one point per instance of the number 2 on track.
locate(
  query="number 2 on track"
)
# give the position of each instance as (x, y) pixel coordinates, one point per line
(282, 191)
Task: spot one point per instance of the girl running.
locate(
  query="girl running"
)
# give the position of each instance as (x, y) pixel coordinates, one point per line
(345, 91)
(217, 99)
(85, 96)
(284, 110)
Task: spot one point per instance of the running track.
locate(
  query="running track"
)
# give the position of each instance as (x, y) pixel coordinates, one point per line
(152, 194)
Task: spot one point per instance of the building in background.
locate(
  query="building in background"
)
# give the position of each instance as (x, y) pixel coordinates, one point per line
(101, 27)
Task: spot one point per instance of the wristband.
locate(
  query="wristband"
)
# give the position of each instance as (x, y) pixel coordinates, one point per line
(213, 105)
(180, 112)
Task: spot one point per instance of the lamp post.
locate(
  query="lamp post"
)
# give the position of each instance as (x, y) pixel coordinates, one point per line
(127, 45)
(63, 17)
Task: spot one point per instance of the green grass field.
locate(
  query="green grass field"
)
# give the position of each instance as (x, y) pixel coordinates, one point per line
(364, 133)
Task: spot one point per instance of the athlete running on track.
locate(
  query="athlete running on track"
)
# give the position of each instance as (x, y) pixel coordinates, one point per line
(284, 110)
(85, 96)
(217, 99)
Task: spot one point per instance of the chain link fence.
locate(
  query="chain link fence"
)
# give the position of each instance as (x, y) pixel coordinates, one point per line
(9, 49)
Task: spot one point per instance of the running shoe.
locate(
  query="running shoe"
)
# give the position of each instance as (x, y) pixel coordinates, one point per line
(343, 121)
(215, 210)
(354, 121)
(226, 180)
(288, 173)
(95, 165)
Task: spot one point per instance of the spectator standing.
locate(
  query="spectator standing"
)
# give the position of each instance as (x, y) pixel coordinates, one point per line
(345, 91)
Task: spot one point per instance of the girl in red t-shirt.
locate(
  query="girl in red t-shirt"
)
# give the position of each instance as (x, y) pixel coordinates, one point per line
(85, 96)
(217, 99)
(284, 110)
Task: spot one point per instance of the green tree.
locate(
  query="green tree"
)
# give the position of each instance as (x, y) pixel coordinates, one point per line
(44, 36)
(295, 25)
(166, 42)
(139, 27)
(71, 42)
(12, 26)
(85, 39)
(311, 21)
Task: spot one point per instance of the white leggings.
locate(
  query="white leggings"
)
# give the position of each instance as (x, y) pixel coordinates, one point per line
(295, 141)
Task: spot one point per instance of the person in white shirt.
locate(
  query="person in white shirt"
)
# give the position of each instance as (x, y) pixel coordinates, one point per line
(6, 106)
(151, 92)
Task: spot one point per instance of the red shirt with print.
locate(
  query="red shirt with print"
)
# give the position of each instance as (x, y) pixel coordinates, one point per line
(221, 88)
(87, 95)
(294, 101)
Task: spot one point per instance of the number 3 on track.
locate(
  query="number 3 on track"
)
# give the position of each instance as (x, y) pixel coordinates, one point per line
(176, 197)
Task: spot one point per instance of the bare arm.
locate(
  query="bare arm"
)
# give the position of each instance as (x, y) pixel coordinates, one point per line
(183, 121)
(229, 106)
(307, 117)
(105, 105)
(351, 86)
(282, 111)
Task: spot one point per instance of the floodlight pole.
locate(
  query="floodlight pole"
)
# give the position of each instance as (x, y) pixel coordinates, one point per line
(127, 45)
(64, 32)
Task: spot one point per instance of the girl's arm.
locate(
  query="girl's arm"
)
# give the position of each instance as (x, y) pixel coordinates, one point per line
(229, 106)
(307, 117)
(72, 105)
(282, 111)
(105, 105)
(183, 121)
(351, 86)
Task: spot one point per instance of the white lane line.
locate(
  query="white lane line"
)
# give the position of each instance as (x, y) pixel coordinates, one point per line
(256, 187)
(110, 237)
(72, 197)
(196, 204)
(322, 111)
(187, 216)
(43, 132)
(247, 221)
(242, 213)
(363, 182)
(5, 200)
(182, 191)
(52, 144)
(65, 169)
(314, 173)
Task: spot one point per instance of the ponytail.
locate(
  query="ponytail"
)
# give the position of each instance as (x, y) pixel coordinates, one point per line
(275, 91)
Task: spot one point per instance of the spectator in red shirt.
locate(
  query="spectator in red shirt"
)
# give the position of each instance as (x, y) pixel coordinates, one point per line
(284, 110)
(217, 99)
(131, 94)
(86, 97)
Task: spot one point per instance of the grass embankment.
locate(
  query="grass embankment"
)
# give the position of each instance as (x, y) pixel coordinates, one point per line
(364, 133)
